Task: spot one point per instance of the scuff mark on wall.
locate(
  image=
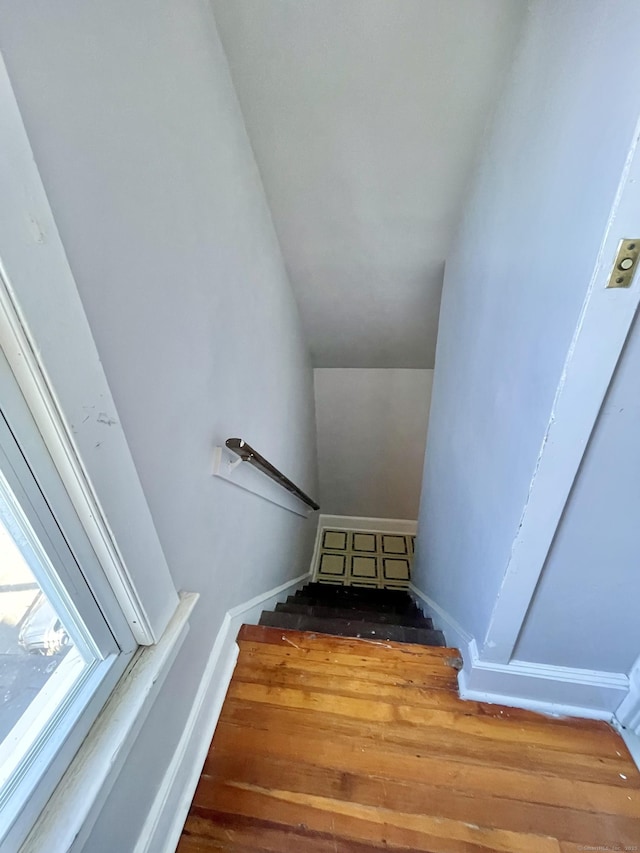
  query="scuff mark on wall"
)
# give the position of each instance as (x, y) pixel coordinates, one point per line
(103, 418)
(36, 231)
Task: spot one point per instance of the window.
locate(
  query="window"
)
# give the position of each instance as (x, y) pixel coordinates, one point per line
(63, 639)
(74, 515)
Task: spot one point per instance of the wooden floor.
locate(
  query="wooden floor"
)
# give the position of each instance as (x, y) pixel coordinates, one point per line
(330, 744)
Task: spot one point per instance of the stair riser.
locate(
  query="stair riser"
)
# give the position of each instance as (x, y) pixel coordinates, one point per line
(351, 604)
(322, 612)
(373, 593)
(348, 628)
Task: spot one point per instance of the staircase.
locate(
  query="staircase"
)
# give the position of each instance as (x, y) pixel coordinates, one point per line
(351, 611)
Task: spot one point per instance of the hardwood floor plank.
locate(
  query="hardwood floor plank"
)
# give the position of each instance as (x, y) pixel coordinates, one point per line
(434, 729)
(308, 640)
(409, 670)
(482, 809)
(612, 846)
(371, 756)
(601, 744)
(394, 743)
(429, 692)
(348, 679)
(382, 668)
(239, 833)
(354, 820)
(203, 844)
(495, 724)
(351, 746)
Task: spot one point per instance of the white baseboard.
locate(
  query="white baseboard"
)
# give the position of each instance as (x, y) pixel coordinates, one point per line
(556, 690)
(632, 741)
(552, 690)
(627, 719)
(454, 634)
(162, 828)
(628, 713)
(374, 525)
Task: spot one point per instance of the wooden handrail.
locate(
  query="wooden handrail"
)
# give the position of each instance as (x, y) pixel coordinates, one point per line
(248, 454)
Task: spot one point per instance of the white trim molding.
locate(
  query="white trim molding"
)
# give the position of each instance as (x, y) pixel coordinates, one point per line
(454, 633)
(627, 719)
(593, 355)
(555, 690)
(552, 690)
(632, 741)
(628, 712)
(68, 817)
(166, 817)
(48, 343)
(374, 525)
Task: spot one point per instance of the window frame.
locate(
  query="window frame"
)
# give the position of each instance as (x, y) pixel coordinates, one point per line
(48, 343)
(70, 701)
(51, 353)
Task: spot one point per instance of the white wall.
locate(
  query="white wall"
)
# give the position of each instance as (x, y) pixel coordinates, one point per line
(366, 116)
(142, 149)
(585, 611)
(514, 285)
(372, 429)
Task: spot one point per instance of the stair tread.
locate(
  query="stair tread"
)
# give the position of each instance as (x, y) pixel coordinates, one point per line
(298, 643)
(409, 620)
(369, 592)
(405, 607)
(353, 628)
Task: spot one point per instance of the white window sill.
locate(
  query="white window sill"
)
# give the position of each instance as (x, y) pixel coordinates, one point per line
(68, 817)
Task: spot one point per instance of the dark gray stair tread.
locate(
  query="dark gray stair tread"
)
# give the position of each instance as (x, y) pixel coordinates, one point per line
(372, 593)
(356, 603)
(347, 595)
(349, 628)
(408, 620)
(334, 592)
(407, 607)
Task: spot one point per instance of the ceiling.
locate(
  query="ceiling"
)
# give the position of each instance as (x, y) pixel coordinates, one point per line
(365, 117)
